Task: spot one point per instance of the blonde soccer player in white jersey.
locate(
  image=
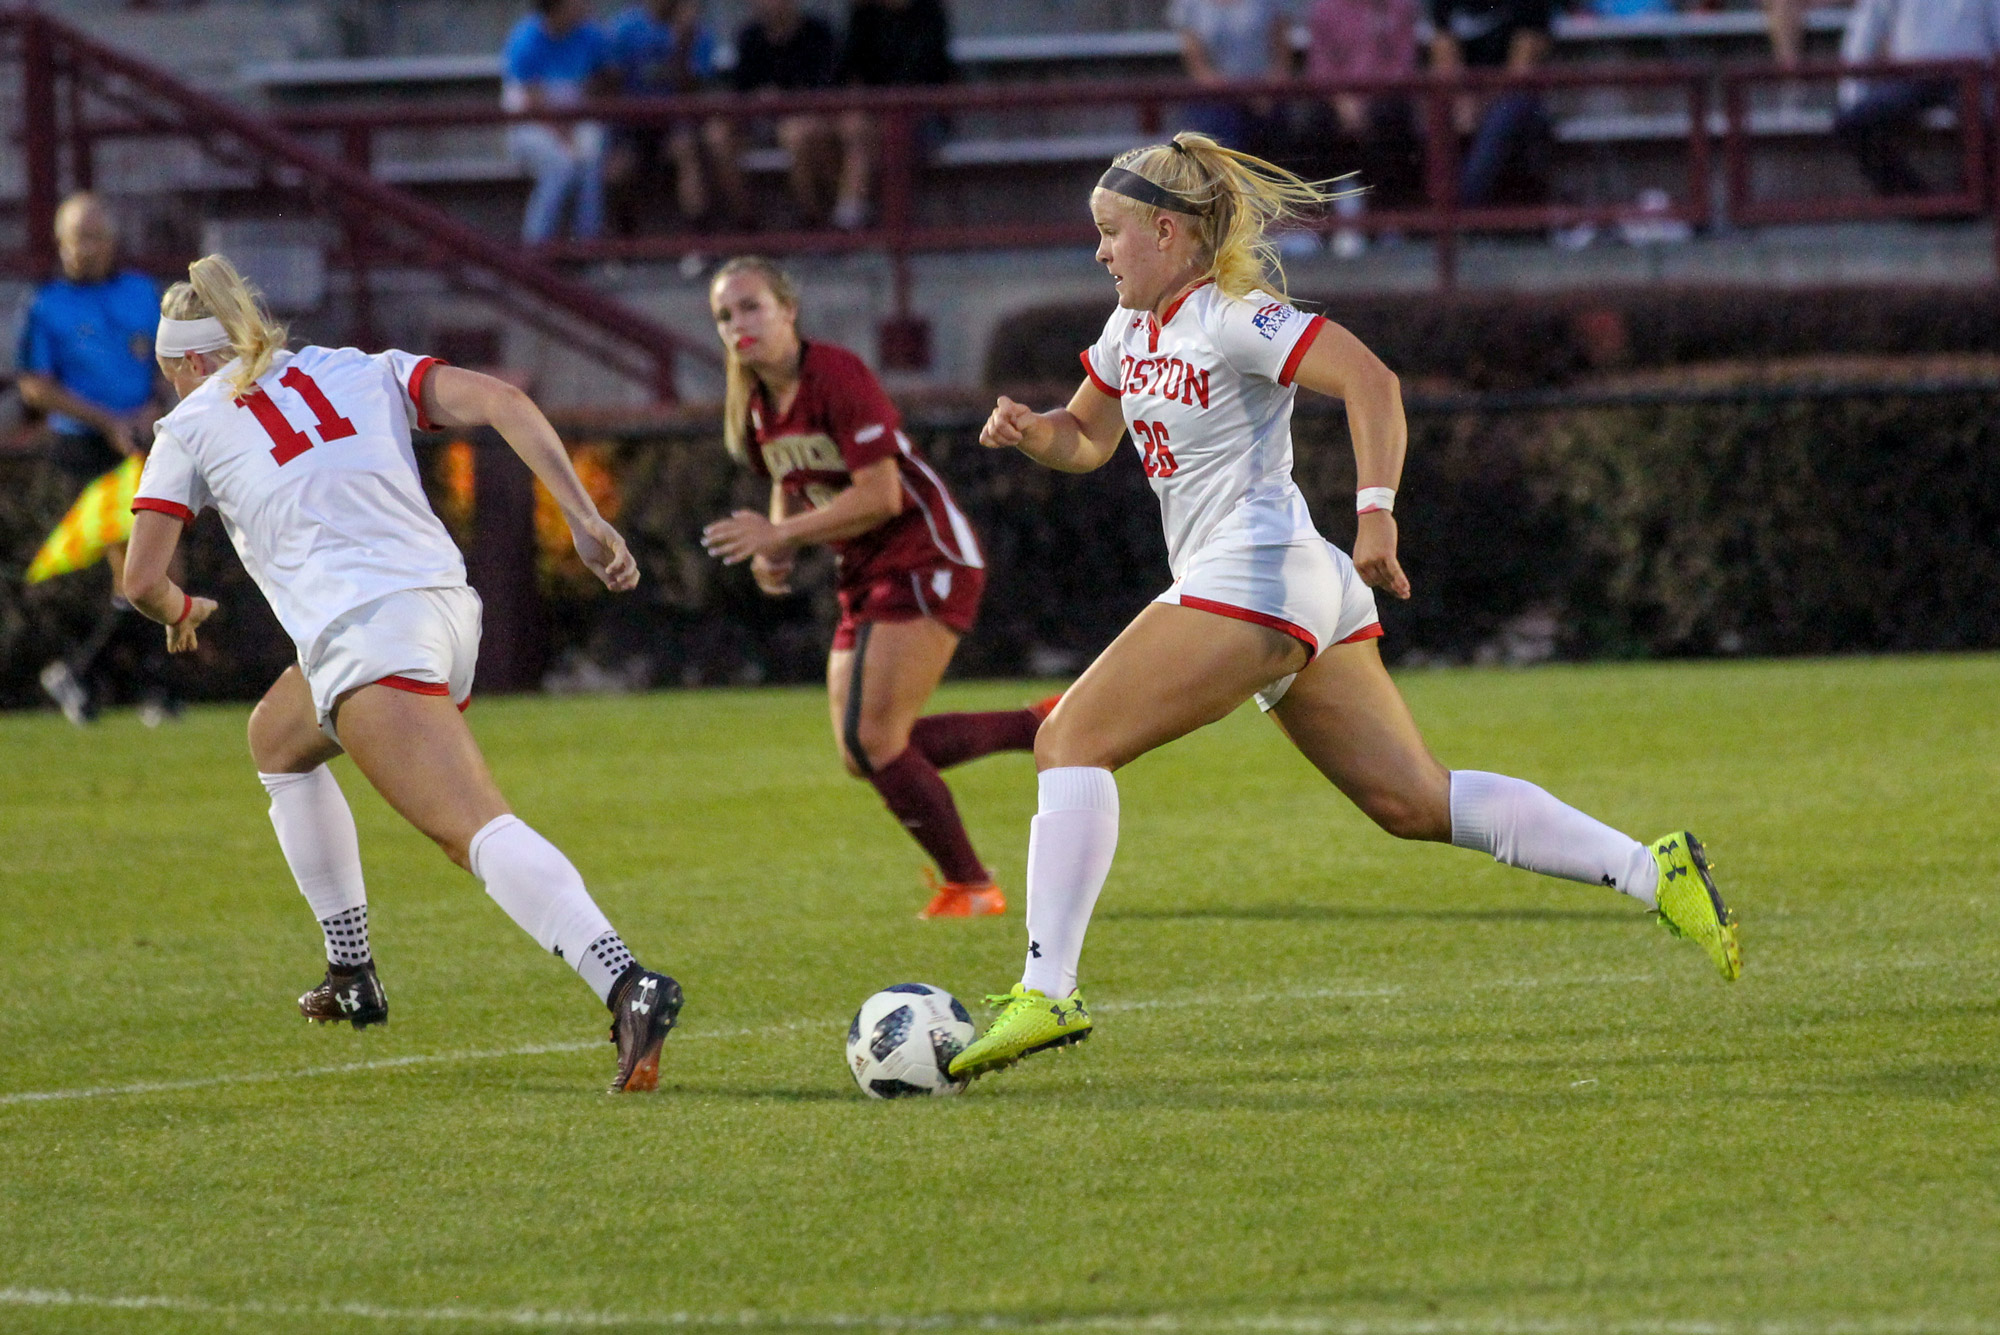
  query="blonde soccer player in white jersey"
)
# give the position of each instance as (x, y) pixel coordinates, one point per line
(307, 457)
(1201, 362)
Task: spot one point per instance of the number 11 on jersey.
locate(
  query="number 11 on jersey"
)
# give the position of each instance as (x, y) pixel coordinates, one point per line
(287, 441)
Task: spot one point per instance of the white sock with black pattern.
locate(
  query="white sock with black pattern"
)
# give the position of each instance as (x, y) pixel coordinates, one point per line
(1523, 826)
(543, 893)
(316, 834)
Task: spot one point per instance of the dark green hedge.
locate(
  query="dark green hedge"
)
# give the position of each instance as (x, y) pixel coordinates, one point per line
(1821, 523)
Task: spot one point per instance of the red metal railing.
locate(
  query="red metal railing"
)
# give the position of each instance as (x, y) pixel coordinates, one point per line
(68, 80)
(1715, 103)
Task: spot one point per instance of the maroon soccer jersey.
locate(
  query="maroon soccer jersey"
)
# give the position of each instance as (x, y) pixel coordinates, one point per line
(839, 421)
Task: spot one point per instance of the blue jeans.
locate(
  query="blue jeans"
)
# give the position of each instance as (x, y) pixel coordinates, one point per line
(562, 165)
(1515, 126)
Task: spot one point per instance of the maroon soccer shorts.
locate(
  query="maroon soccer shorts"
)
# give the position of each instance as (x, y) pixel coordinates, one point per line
(944, 592)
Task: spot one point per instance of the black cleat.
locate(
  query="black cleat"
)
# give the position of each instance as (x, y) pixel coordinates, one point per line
(644, 1006)
(355, 996)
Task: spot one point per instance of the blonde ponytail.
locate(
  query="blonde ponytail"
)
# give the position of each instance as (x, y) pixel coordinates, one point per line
(737, 379)
(213, 287)
(1241, 199)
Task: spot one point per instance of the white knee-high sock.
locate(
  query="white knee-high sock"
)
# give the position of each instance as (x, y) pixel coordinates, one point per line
(1522, 826)
(542, 892)
(316, 834)
(1070, 847)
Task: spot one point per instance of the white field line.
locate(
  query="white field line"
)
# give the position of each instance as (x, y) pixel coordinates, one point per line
(1151, 1324)
(765, 1031)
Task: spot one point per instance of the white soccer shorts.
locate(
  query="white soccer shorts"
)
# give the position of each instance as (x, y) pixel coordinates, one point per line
(421, 640)
(1307, 588)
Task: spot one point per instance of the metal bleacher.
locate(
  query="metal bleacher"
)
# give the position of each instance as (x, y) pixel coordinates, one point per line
(472, 156)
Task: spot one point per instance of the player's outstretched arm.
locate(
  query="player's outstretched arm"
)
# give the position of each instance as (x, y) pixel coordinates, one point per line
(872, 497)
(454, 397)
(1340, 365)
(1078, 439)
(148, 587)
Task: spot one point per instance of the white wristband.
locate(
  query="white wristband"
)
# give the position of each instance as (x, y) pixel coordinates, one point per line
(1374, 498)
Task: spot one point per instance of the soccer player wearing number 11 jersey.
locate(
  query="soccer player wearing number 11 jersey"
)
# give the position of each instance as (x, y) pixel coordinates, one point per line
(307, 457)
(1201, 362)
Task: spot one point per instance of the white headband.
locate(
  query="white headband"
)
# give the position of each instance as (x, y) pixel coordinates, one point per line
(177, 338)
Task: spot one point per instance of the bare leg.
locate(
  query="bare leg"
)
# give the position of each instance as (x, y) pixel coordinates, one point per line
(690, 180)
(1788, 30)
(1347, 717)
(720, 137)
(857, 167)
(421, 757)
(1172, 671)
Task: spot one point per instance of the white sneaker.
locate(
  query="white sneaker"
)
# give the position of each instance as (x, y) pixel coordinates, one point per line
(1349, 243)
(850, 215)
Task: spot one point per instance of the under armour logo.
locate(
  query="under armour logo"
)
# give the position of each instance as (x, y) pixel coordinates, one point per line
(556, 951)
(1035, 949)
(1610, 880)
(643, 1003)
(349, 1000)
(1674, 873)
(1056, 1010)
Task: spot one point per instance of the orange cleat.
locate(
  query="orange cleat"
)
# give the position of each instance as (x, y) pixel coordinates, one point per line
(962, 899)
(1041, 709)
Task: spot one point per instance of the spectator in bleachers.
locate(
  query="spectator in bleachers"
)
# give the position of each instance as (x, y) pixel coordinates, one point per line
(1366, 39)
(890, 44)
(1887, 110)
(1225, 40)
(1512, 136)
(662, 48)
(782, 49)
(556, 57)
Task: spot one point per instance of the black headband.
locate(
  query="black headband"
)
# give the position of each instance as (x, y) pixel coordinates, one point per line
(1134, 186)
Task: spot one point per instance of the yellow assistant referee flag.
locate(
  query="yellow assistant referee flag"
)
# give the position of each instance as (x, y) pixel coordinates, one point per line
(101, 516)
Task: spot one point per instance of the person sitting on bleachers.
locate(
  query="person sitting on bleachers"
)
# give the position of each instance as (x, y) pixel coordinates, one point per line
(1513, 134)
(1886, 110)
(1630, 9)
(1366, 39)
(890, 44)
(556, 57)
(662, 48)
(1225, 40)
(782, 49)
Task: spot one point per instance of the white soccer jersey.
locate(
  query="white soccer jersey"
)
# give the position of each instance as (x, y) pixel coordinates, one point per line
(315, 480)
(1207, 393)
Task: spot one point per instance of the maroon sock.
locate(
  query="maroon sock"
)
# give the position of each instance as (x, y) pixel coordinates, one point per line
(953, 739)
(917, 796)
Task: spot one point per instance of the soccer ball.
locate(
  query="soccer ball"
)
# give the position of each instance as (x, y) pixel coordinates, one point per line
(903, 1038)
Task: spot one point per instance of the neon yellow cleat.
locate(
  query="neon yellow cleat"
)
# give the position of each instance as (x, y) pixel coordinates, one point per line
(1690, 905)
(1029, 1021)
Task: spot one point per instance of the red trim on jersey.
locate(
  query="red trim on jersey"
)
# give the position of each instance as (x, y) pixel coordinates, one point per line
(1154, 326)
(417, 375)
(1371, 631)
(174, 508)
(1097, 379)
(1299, 633)
(413, 686)
(1299, 350)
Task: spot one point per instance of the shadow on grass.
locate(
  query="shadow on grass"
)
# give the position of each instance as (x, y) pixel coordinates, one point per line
(1353, 913)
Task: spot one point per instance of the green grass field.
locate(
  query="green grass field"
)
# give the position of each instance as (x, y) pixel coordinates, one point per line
(1339, 1084)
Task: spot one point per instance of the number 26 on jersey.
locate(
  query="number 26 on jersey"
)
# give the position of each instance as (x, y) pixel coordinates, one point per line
(287, 441)
(1159, 461)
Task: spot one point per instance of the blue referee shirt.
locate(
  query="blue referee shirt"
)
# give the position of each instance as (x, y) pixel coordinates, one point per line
(95, 340)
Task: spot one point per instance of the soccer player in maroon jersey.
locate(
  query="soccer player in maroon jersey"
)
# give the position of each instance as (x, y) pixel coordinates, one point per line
(812, 418)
